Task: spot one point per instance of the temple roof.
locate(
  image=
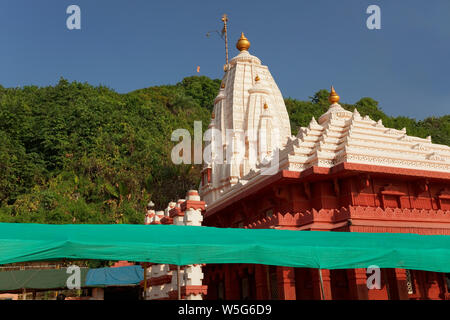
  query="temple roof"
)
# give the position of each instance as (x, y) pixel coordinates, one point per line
(343, 136)
(249, 99)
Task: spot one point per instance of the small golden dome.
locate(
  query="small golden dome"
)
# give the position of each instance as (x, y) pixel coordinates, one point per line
(334, 98)
(266, 106)
(213, 115)
(257, 78)
(243, 43)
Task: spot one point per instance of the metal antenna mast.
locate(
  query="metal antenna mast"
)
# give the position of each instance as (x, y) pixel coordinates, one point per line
(225, 32)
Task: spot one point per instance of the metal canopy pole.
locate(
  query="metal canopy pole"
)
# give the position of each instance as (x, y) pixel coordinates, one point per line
(145, 281)
(269, 289)
(178, 283)
(321, 285)
(225, 31)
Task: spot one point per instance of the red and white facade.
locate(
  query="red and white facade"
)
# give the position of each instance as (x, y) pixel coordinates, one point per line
(343, 172)
(161, 279)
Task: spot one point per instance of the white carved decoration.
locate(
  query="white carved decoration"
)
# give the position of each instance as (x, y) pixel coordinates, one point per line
(190, 275)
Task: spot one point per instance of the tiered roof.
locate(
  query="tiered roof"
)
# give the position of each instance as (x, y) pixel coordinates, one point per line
(343, 136)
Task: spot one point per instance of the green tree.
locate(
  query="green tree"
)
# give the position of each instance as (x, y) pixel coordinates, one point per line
(75, 153)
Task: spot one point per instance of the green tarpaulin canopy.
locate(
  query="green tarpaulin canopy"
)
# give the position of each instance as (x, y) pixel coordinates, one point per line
(37, 279)
(182, 245)
(46, 279)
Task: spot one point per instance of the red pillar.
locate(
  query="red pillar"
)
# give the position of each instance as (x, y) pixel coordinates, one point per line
(232, 286)
(358, 284)
(317, 288)
(286, 283)
(261, 277)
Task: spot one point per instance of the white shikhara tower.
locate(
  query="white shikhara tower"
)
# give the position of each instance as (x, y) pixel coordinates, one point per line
(250, 121)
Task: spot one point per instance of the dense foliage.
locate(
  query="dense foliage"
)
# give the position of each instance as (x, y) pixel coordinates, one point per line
(74, 153)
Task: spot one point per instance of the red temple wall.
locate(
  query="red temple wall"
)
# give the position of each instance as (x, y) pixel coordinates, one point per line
(358, 203)
(259, 282)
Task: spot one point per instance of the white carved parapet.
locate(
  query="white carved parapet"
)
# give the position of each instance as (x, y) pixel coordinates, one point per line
(193, 217)
(162, 278)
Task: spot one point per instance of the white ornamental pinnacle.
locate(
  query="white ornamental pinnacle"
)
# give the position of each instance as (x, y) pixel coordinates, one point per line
(192, 195)
(162, 278)
(193, 217)
(179, 219)
(170, 206)
(193, 275)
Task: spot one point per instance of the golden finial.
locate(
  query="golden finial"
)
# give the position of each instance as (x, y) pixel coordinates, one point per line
(213, 115)
(334, 98)
(243, 43)
(257, 78)
(266, 106)
(222, 85)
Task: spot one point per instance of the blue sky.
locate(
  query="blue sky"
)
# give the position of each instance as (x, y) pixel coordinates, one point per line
(308, 45)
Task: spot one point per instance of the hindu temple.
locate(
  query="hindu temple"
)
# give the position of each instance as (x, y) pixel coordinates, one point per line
(342, 173)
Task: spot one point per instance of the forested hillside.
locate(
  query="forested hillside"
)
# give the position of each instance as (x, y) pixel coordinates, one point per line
(74, 153)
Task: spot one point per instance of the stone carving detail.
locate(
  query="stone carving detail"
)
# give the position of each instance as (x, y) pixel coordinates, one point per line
(307, 217)
(435, 156)
(393, 132)
(420, 147)
(405, 138)
(333, 216)
(400, 163)
(379, 124)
